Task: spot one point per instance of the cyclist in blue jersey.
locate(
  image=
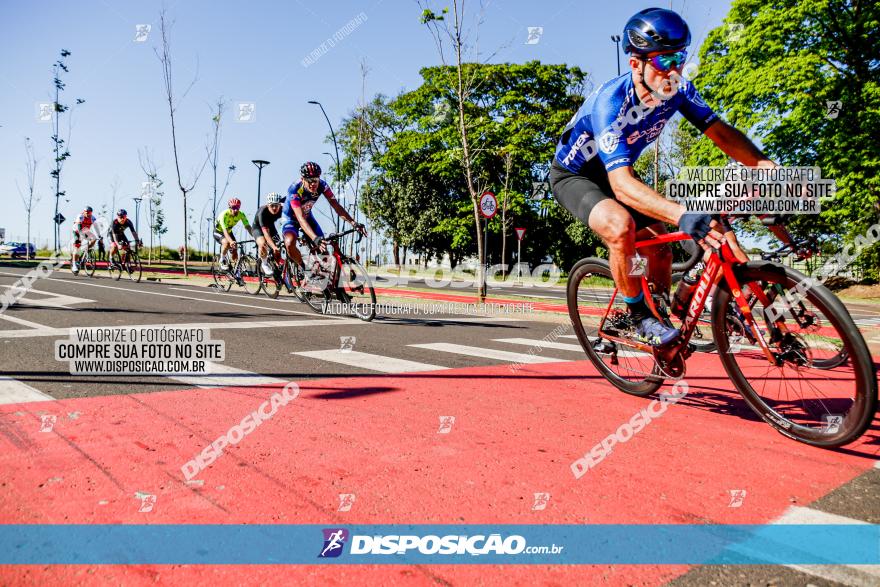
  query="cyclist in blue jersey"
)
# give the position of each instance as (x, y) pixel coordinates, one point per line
(297, 210)
(592, 173)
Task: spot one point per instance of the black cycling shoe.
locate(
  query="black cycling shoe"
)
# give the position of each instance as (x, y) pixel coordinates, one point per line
(653, 332)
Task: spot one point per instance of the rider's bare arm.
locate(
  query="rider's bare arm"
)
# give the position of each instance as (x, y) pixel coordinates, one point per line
(737, 145)
(343, 213)
(633, 192)
(269, 240)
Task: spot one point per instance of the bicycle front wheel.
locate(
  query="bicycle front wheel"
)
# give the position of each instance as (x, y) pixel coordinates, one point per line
(222, 279)
(355, 289)
(590, 290)
(250, 275)
(89, 265)
(114, 268)
(797, 392)
(133, 267)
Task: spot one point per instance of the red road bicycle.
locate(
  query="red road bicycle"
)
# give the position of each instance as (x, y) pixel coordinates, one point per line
(781, 367)
(125, 260)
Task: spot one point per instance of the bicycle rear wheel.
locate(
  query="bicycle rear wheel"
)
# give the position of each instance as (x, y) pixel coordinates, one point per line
(355, 289)
(798, 394)
(590, 289)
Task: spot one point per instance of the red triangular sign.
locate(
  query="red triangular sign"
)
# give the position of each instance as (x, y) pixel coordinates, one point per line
(520, 233)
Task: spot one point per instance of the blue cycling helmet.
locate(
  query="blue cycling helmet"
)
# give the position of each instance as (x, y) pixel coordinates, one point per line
(655, 29)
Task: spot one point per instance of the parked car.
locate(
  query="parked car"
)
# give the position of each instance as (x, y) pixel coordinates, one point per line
(17, 249)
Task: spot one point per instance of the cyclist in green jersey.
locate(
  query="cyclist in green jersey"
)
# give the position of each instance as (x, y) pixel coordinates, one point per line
(226, 221)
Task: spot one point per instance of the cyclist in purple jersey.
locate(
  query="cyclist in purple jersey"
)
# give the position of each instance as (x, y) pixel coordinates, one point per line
(592, 173)
(297, 211)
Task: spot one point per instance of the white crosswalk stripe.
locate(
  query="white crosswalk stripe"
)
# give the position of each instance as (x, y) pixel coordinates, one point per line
(224, 376)
(856, 575)
(542, 344)
(369, 361)
(13, 391)
(472, 351)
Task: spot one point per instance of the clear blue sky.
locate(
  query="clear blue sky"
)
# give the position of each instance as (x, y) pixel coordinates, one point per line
(246, 52)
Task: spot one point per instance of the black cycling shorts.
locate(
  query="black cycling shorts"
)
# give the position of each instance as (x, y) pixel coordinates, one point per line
(218, 236)
(579, 193)
(257, 232)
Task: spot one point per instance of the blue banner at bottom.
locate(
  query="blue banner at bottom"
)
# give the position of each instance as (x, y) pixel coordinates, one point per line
(440, 544)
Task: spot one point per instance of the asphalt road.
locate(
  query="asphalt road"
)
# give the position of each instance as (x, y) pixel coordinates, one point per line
(366, 423)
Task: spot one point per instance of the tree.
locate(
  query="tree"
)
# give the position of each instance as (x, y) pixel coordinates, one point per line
(153, 195)
(28, 196)
(775, 77)
(61, 146)
(461, 93)
(165, 59)
(213, 149)
(412, 157)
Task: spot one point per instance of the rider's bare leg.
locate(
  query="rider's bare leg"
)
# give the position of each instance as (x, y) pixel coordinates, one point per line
(659, 258)
(617, 229)
(233, 252)
(224, 246)
(292, 252)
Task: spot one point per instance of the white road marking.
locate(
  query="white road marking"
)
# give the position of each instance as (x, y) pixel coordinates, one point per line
(129, 290)
(542, 344)
(54, 300)
(224, 376)
(473, 351)
(22, 322)
(415, 318)
(13, 391)
(211, 325)
(368, 361)
(857, 575)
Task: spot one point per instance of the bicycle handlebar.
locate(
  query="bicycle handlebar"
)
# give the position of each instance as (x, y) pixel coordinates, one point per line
(337, 235)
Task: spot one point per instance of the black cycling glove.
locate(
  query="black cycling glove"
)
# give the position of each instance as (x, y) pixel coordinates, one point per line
(696, 225)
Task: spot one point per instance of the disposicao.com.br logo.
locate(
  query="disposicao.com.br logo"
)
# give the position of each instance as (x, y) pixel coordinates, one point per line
(394, 544)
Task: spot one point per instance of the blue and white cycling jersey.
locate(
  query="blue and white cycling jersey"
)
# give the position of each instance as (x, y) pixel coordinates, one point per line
(613, 124)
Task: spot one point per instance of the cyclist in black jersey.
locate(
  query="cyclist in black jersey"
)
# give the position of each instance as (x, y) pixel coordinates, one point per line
(117, 231)
(264, 230)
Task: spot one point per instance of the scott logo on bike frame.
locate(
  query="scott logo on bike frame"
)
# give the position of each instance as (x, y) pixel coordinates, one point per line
(702, 290)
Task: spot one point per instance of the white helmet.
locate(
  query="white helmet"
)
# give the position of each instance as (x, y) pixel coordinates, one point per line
(274, 198)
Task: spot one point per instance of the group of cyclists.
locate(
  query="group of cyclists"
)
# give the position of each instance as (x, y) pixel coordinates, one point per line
(591, 174)
(295, 209)
(84, 228)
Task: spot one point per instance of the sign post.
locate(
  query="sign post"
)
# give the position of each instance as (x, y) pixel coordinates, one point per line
(488, 208)
(520, 233)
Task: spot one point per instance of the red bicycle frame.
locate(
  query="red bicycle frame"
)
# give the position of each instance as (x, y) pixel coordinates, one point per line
(720, 261)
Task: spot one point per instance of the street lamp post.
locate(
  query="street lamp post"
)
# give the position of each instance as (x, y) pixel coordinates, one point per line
(335, 145)
(137, 214)
(260, 164)
(616, 40)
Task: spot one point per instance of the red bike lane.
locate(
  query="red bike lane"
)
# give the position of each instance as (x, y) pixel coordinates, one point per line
(516, 433)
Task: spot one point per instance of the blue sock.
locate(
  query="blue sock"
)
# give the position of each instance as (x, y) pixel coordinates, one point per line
(634, 299)
(637, 307)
